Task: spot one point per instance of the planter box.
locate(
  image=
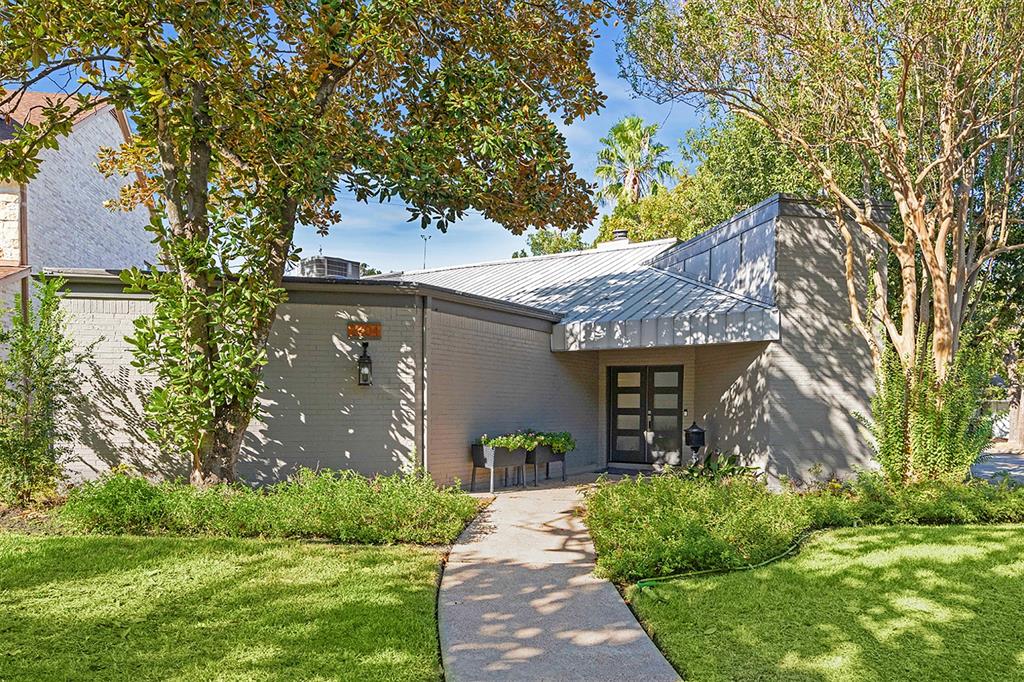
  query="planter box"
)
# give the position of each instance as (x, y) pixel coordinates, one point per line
(543, 454)
(487, 457)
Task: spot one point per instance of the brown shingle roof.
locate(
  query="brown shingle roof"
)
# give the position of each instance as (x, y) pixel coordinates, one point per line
(28, 108)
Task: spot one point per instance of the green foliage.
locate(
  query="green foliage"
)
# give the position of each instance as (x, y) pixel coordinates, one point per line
(39, 378)
(247, 118)
(926, 430)
(735, 163)
(544, 241)
(631, 164)
(194, 390)
(663, 524)
(667, 524)
(560, 442)
(159, 608)
(717, 466)
(854, 605)
(338, 506)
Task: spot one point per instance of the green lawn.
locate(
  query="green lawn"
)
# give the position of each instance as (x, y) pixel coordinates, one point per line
(895, 603)
(185, 609)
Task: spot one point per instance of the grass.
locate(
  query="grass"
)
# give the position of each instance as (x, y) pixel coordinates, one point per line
(857, 604)
(147, 608)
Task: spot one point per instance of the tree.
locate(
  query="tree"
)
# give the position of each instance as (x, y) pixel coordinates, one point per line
(543, 242)
(631, 164)
(247, 118)
(38, 378)
(736, 164)
(925, 94)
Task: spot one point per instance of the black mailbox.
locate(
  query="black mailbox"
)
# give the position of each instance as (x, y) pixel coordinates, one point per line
(694, 437)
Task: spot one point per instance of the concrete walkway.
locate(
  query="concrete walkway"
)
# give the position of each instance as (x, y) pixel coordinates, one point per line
(518, 600)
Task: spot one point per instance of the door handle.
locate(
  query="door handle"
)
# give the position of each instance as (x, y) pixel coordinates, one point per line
(650, 421)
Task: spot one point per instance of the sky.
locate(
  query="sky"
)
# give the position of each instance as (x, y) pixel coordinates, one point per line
(380, 236)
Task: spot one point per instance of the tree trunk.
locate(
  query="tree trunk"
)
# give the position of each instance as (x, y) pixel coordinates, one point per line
(1016, 436)
(232, 421)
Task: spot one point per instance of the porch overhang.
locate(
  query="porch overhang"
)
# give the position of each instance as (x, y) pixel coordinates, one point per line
(754, 323)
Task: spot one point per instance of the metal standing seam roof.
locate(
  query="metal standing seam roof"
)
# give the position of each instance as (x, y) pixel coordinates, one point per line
(612, 297)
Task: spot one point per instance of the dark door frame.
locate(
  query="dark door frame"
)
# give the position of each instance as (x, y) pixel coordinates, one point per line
(646, 390)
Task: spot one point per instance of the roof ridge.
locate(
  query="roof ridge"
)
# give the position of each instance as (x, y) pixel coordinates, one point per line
(546, 256)
(711, 287)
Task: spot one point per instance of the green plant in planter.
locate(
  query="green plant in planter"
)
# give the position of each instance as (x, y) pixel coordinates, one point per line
(560, 442)
(520, 440)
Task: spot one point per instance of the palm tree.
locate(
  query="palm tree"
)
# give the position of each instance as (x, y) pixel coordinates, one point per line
(632, 164)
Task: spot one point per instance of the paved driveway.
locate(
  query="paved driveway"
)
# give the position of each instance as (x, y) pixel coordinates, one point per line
(1000, 463)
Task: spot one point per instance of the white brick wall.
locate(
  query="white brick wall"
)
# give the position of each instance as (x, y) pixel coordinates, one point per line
(10, 201)
(486, 377)
(68, 225)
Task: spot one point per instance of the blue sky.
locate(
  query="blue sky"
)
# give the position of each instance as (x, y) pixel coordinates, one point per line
(379, 235)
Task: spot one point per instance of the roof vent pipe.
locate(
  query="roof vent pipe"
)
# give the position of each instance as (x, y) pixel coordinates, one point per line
(620, 236)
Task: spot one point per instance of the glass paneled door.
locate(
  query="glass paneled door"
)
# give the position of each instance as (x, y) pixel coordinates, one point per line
(645, 414)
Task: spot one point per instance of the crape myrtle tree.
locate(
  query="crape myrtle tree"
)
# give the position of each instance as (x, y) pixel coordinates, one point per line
(249, 116)
(924, 94)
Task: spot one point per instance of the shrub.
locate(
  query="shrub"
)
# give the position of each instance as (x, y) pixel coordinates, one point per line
(337, 506)
(38, 378)
(666, 524)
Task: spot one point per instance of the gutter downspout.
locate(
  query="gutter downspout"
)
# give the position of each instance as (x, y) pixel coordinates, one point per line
(23, 247)
(425, 303)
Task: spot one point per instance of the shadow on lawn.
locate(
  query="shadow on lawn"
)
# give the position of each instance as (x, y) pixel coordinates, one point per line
(899, 603)
(159, 608)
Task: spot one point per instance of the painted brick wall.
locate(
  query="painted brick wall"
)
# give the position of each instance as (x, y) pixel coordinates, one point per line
(107, 420)
(733, 398)
(316, 415)
(821, 370)
(68, 225)
(486, 377)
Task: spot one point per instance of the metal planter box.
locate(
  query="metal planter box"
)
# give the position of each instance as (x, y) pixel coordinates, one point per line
(543, 454)
(487, 457)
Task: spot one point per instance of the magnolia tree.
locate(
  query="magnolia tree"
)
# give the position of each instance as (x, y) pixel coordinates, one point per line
(925, 95)
(248, 117)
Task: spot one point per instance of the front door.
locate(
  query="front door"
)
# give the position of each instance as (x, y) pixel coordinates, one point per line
(645, 414)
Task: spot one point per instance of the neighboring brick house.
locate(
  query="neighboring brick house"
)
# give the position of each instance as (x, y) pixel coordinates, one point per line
(58, 220)
(744, 330)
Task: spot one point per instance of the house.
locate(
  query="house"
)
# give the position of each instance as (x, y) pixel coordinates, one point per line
(58, 220)
(743, 330)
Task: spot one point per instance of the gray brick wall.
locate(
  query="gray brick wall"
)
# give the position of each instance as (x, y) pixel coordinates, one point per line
(732, 396)
(486, 377)
(68, 224)
(821, 369)
(315, 414)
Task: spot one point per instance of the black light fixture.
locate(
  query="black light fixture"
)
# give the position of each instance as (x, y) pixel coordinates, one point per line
(694, 438)
(365, 367)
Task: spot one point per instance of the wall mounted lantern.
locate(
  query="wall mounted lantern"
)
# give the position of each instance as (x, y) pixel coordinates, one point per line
(694, 438)
(365, 366)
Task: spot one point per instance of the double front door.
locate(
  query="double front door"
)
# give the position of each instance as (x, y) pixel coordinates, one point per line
(645, 405)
